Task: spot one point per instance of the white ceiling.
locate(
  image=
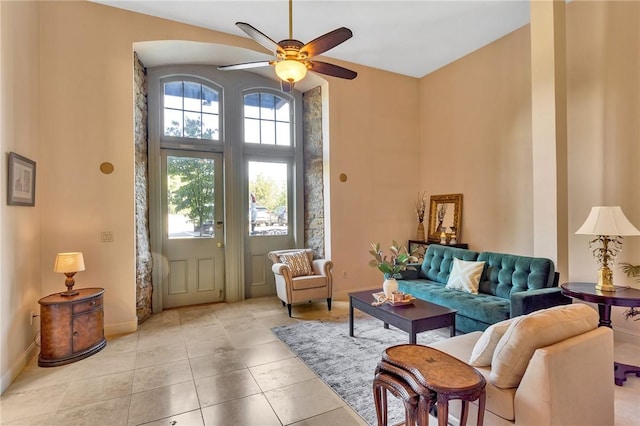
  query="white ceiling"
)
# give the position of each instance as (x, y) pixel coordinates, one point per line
(412, 38)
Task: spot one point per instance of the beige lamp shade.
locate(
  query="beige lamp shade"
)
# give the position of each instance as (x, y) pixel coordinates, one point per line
(69, 262)
(607, 220)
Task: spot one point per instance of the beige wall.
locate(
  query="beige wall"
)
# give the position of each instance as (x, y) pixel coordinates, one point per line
(475, 129)
(603, 84)
(465, 128)
(20, 235)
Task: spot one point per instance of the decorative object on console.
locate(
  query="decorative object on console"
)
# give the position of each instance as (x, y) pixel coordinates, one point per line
(445, 211)
(391, 266)
(453, 239)
(421, 205)
(632, 271)
(69, 264)
(609, 224)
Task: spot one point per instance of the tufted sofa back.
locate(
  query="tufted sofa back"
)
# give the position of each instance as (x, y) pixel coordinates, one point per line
(505, 274)
(438, 261)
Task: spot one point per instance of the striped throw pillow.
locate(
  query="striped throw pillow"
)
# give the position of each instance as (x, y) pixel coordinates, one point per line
(298, 263)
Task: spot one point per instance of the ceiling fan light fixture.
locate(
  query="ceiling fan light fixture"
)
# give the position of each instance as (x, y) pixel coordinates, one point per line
(291, 70)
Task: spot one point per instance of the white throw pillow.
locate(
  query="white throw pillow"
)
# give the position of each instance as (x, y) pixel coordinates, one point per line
(465, 275)
(485, 346)
(536, 330)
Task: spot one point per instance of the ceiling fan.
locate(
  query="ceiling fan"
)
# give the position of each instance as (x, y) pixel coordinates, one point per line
(293, 57)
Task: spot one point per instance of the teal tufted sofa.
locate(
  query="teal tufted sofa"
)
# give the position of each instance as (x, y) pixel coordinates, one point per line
(510, 285)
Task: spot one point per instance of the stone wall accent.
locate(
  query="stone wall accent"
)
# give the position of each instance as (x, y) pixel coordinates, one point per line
(313, 184)
(144, 261)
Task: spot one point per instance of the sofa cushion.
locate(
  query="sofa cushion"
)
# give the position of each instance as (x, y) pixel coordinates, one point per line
(298, 263)
(505, 274)
(308, 281)
(465, 276)
(536, 330)
(482, 352)
(438, 261)
(481, 307)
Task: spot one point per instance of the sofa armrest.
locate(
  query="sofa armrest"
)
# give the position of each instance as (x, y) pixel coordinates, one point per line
(322, 267)
(410, 274)
(281, 269)
(525, 302)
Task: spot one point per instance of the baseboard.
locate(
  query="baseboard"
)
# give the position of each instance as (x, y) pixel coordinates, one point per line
(624, 335)
(18, 366)
(120, 328)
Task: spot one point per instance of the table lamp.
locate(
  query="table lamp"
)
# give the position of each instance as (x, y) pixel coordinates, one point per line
(609, 224)
(69, 264)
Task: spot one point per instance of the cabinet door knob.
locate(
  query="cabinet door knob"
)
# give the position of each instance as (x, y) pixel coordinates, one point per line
(92, 303)
(75, 334)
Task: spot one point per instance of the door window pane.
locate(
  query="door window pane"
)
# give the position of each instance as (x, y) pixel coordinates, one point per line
(268, 199)
(190, 197)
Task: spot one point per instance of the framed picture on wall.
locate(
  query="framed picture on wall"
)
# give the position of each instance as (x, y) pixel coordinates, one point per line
(21, 184)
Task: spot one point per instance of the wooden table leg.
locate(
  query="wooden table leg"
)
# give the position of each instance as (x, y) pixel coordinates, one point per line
(443, 410)
(350, 316)
(481, 402)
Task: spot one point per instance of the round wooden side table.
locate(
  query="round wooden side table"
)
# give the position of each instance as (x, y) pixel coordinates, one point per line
(623, 296)
(429, 371)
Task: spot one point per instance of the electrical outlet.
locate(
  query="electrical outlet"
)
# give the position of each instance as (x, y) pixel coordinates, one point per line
(344, 274)
(106, 237)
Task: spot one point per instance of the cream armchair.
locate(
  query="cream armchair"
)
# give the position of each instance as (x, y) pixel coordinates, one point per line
(303, 288)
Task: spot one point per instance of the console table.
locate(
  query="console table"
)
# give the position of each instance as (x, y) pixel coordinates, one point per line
(420, 247)
(71, 327)
(623, 296)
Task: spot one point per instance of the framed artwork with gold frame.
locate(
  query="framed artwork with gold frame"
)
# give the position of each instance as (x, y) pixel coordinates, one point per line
(445, 215)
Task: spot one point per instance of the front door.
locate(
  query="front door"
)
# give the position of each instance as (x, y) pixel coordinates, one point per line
(193, 228)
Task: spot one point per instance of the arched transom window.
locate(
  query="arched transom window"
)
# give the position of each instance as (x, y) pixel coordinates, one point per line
(191, 110)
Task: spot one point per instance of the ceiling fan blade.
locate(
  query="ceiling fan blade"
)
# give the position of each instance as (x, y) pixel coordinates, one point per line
(259, 37)
(244, 66)
(326, 42)
(331, 69)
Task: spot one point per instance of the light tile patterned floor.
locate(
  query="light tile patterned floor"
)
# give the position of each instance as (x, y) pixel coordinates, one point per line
(207, 365)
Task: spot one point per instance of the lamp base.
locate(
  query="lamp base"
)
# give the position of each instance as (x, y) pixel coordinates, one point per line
(605, 280)
(69, 282)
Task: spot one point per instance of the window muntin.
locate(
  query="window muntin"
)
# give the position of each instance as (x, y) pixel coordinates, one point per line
(267, 119)
(191, 110)
(268, 198)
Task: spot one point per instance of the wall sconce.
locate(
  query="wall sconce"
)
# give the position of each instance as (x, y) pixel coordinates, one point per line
(69, 264)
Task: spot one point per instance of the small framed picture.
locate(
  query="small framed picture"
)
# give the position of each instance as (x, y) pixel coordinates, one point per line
(21, 183)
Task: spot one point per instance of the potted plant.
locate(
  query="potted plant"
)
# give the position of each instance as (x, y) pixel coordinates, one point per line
(632, 271)
(392, 265)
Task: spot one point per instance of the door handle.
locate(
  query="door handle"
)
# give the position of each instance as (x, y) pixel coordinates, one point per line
(220, 245)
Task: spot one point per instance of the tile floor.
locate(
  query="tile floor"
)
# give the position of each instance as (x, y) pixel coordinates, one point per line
(208, 365)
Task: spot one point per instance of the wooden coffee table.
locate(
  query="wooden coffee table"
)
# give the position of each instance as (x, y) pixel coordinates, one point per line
(414, 318)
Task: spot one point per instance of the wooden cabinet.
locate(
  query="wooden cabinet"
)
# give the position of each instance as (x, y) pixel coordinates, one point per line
(420, 247)
(71, 327)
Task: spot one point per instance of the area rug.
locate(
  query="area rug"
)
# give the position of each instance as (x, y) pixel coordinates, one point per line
(347, 364)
